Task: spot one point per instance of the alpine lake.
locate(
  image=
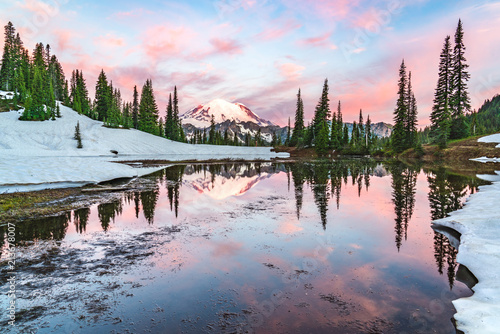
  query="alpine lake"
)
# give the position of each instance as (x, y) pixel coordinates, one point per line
(342, 246)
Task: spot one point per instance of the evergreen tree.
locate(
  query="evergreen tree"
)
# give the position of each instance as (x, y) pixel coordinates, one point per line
(411, 118)
(211, 134)
(322, 140)
(34, 107)
(340, 127)
(460, 96)
(322, 111)
(148, 109)
(78, 136)
(135, 108)
(102, 101)
(169, 121)
(114, 118)
(287, 141)
(441, 113)
(8, 60)
(345, 135)
(400, 113)
(161, 128)
(368, 134)
(175, 116)
(361, 129)
(298, 129)
(258, 138)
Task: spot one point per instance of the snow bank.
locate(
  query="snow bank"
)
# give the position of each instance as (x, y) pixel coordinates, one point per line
(479, 224)
(37, 155)
(491, 139)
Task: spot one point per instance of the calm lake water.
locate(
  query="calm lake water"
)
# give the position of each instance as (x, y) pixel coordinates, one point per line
(316, 247)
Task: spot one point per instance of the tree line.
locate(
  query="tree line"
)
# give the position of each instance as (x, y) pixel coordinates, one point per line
(327, 132)
(38, 81)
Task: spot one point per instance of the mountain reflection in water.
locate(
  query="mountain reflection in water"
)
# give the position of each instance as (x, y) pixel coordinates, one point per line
(242, 215)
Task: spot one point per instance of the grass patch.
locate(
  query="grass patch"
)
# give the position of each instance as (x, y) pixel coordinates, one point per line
(19, 206)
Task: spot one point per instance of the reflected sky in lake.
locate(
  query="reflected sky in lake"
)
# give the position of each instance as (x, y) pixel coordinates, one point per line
(317, 247)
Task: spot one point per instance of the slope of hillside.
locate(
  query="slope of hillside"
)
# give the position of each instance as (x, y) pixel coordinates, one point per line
(39, 155)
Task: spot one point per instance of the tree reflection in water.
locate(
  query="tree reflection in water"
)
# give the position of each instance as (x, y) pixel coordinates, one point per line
(326, 180)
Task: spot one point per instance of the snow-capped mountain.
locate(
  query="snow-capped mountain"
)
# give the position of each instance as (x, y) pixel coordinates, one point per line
(222, 111)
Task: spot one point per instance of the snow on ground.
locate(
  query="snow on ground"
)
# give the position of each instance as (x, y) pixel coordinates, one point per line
(479, 224)
(491, 139)
(38, 155)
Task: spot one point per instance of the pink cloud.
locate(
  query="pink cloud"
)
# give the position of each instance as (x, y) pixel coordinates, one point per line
(225, 46)
(319, 41)
(163, 41)
(277, 32)
(290, 71)
(109, 40)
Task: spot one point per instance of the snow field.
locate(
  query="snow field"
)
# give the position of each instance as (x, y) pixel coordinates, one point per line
(38, 155)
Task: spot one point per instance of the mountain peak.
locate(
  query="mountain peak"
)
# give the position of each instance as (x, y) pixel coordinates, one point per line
(222, 111)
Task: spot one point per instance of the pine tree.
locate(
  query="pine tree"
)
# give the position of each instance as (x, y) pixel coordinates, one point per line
(148, 109)
(175, 116)
(340, 127)
(361, 129)
(411, 119)
(78, 136)
(102, 101)
(322, 112)
(8, 59)
(135, 108)
(321, 142)
(287, 141)
(441, 113)
(368, 134)
(211, 134)
(400, 113)
(298, 129)
(169, 121)
(460, 100)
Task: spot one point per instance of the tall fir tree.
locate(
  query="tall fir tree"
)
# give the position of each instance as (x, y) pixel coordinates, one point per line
(298, 129)
(103, 97)
(361, 128)
(135, 108)
(8, 60)
(400, 113)
(169, 121)
(441, 110)
(460, 95)
(288, 137)
(322, 111)
(411, 118)
(175, 116)
(148, 110)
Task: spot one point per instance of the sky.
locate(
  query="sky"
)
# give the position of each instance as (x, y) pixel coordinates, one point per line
(260, 53)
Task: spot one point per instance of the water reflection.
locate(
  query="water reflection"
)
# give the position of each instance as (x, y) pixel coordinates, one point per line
(404, 183)
(447, 193)
(267, 218)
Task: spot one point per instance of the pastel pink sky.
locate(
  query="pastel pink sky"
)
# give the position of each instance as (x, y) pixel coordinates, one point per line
(261, 52)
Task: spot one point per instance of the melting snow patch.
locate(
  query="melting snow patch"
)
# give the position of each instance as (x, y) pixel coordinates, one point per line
(479, 224)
